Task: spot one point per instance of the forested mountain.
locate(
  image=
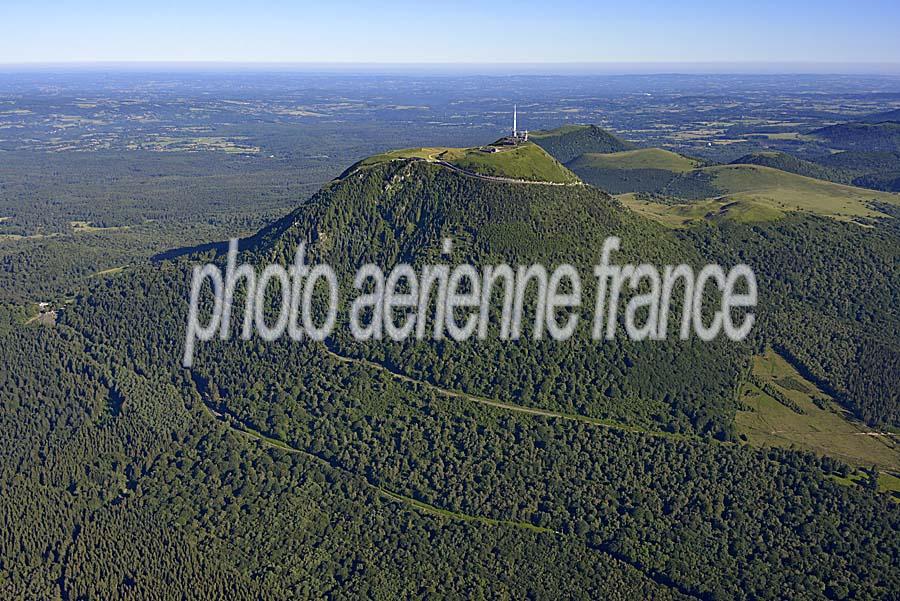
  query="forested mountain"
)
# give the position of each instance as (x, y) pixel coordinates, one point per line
(893, 115)
(845, 274)
(829, 291)
(431, 469)
(791, 164)
(571, 141)
(806, 261)
(876, 170)
(883, 136)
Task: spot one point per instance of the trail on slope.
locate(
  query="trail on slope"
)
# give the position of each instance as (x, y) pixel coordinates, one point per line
(241, 428)
(594, 421)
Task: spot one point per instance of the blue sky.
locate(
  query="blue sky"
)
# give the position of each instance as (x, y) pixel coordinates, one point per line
(457, 31)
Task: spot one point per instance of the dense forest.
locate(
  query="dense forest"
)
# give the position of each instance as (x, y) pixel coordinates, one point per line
(866, 137)
(830, 294)
(657, 486)
(118, 485)
(423, 469)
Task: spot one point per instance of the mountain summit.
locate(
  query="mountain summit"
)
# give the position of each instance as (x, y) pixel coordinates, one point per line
(503, 161)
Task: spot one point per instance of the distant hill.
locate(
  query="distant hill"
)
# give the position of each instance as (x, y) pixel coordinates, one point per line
(876, 170)
(642, 158)
(571, 141)
(762, 191)
(893, 115)
(522, 162)
(792, 164)
(641, 170)
(867, 137)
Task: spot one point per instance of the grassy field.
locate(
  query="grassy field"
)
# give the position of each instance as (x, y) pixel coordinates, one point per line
(748, 193)
(642, 158)
(826, 431)
(525, 162)
(787, 191)
(683, 215)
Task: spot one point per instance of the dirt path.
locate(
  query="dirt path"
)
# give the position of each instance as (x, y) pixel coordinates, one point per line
(241, 428)
(497, 178)
(594, 421)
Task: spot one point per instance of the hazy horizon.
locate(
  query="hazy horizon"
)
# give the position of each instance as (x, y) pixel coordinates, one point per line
(487, 68)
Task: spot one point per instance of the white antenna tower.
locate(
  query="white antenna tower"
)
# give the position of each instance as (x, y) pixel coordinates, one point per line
(514, 121)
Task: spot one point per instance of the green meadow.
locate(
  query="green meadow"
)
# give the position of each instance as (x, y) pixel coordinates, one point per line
(526, 161)
(642, 158)
(825, 427)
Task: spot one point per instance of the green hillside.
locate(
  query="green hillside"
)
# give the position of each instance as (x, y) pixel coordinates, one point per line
(527, 161)
(571, 141)
(783, 408)
(642, 158)
(829, 288)
(520, 224)
(865, 137)
(669, 187)
(792, 164)
(595, 469)
(787, 191)
(876, 170)
(642, 170)
(684, 214)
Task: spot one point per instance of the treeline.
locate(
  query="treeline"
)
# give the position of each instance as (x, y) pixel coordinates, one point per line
(865, 137)
(692, 185)
(792, 164)
(876, 170)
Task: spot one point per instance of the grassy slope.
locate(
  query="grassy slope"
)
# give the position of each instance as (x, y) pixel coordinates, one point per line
(788, 191)
(525, 161)
(823, 431)
(748, 192)
(683, 215)
(643, 158)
